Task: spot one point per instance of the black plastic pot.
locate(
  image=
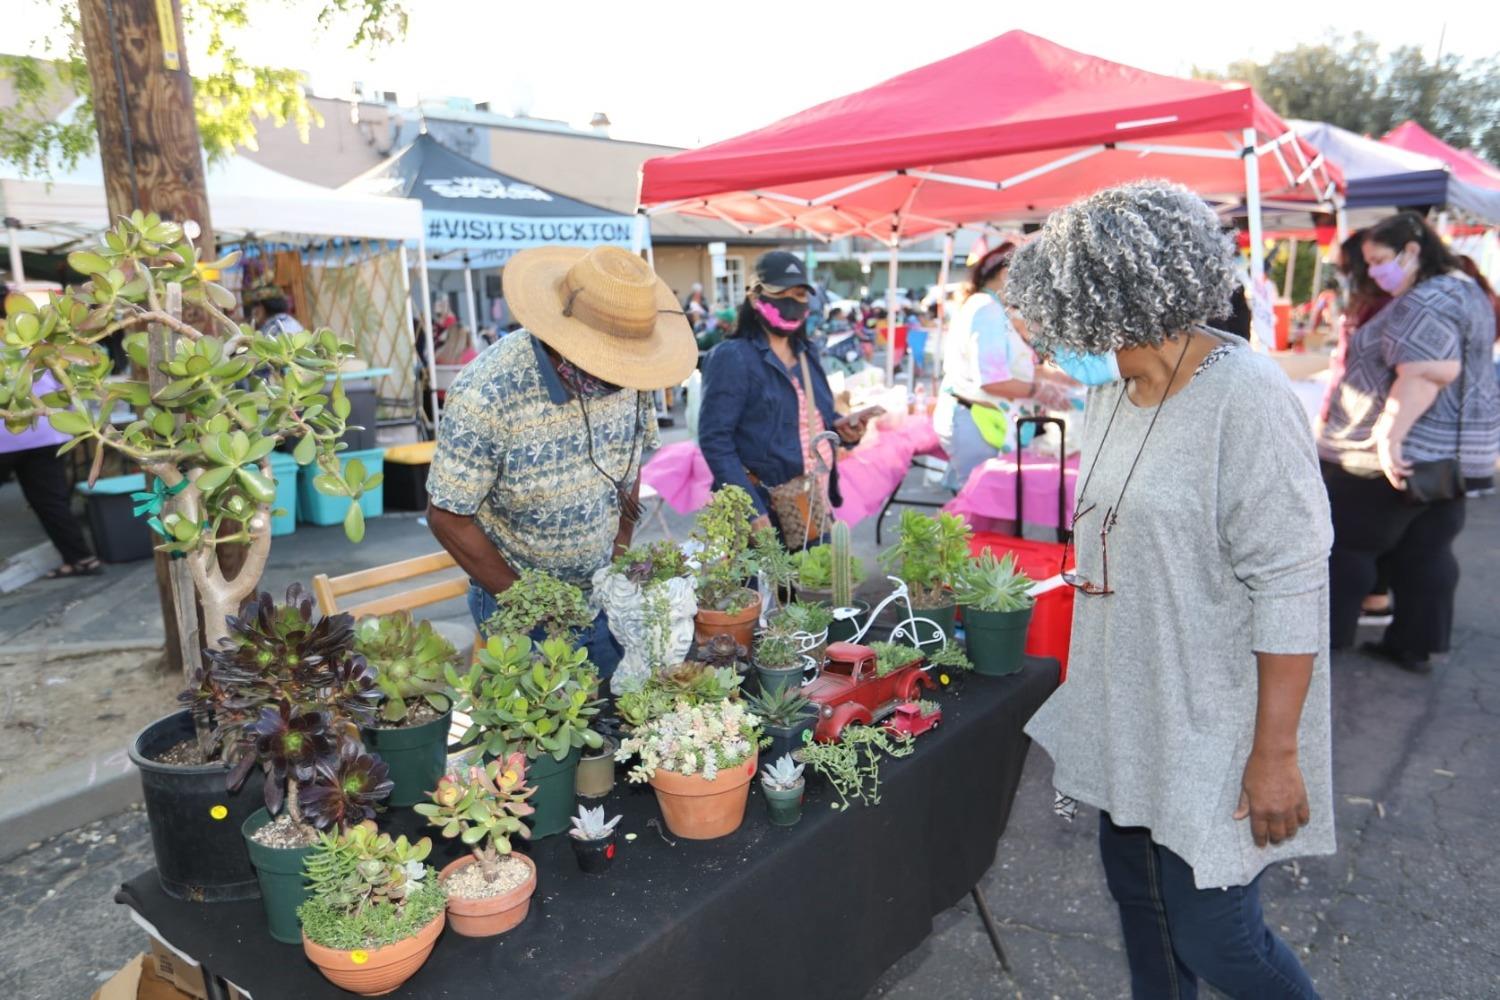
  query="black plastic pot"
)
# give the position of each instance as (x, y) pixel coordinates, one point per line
(594, 856)
(195, 820)
(842, 630)
(785, 739)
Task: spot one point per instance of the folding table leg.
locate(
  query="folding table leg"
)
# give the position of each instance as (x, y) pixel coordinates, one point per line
(989, 927)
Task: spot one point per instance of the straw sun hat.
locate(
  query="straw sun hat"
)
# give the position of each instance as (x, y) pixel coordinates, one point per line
(604, 310)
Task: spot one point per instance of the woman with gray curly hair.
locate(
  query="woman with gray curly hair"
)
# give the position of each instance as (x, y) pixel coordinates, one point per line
(1195, 715)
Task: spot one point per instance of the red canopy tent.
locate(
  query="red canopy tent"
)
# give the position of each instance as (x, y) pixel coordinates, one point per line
(1465, 165)
(1010, 129)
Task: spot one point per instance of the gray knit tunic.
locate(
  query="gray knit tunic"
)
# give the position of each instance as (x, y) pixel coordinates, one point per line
(1220, 550)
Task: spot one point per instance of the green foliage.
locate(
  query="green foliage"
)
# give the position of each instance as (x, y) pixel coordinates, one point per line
(535, 699)
(852, 765)
(813, 619)
(926, 707)
(951, 655)
(412, 660)
(484, 807)
(691, 683)
(774, 563)
(725, 560)
(777, 649)
(892, 656)
(229, 400)
(540, 599)
(815, 569)
(929, 555)
(655, 563)
(368, 890)
(783, 708)
(845, 570)
(990, 584)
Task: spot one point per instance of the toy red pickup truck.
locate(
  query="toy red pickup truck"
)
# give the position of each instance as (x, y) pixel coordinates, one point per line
(908, 719)
(849, 690)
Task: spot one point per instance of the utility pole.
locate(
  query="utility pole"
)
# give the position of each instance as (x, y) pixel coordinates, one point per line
(153, 161)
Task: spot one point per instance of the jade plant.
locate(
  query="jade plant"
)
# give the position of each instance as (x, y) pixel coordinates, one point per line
(212, 399)
(484, 807)
(690, 683)
(539, 600)
(929, 557)
(852, 765)
(538, 699)
(285, 690)
(411, 660)
(990, 584)
(368, 890)
(725, 558)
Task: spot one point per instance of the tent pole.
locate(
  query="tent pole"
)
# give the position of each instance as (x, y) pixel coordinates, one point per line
(890, 316)
(427, 350)
(1340, 221)
(411, 333)
(1291, 271)
(1267, 338)
(941, 334)
(469, 297)
(638, 232)
(17, 272)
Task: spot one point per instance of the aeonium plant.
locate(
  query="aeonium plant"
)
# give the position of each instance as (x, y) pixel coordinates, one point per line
(220, 397)
(411, 660)
(484, 807)
(535, 699)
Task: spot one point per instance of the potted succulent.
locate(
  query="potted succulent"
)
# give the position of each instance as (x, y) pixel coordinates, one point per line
(539, 700)
(489, 891)
(725, 561)
(285, 693)
(929, 557)
(781, 782)
(779, 661)
(691, 682)
(541, 606)
(809, 622)
(997, 602)
(784, 715)
(774, 565)
(410, 731)
(375, 911)
(699, 760)
(948, 666)
(852, 764)
(649, 596)
(827, 574)
(892, 656)
(596, 769)
(593, 839)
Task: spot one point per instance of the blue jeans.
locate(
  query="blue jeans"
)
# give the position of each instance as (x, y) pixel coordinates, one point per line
(1176, 933)
(604, 652)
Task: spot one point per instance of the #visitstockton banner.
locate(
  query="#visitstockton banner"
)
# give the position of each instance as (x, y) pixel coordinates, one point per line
(462, 230)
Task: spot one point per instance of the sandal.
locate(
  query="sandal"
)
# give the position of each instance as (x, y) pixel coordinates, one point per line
(83, 567)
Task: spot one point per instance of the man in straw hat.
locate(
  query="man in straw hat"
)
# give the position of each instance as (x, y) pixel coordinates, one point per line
(539, 449)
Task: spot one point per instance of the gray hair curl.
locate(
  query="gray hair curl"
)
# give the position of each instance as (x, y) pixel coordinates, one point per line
(1125, 267)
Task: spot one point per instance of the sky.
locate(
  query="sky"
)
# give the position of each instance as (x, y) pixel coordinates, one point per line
(687, 72)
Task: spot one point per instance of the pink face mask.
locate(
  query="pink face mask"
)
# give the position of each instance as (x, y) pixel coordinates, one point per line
(785, 314)
(1392, 274)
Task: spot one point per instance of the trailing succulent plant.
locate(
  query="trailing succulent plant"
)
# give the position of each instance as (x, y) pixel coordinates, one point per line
(892, 656)
(690, 683)
(484, 807)
(540, 600)
(590, 824)
(990, 584)
(782, 774)
(655, 563)
(285, 690)
(367, 889)
(538, 699)
(930, 555)
(782, 708)
(411, 660)
(725, 559)
(852, 765)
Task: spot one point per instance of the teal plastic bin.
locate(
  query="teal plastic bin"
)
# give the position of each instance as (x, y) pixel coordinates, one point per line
(284, 467)
(119, 536)
(318, 508)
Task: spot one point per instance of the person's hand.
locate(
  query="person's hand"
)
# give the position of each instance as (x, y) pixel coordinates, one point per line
(1050, 395)
(764, 521)
(852, 427)
(1273, 797)
(1392, 462)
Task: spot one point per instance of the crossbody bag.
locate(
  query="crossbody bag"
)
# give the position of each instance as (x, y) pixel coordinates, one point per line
(1443, 479)
(800, 505)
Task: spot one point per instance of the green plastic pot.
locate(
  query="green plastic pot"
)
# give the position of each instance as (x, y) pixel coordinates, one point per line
(945, 615)
(774, 680)
(416, 755)
(843, 630)
(996, 640)
(282, 885)
(556, 784)
(784, 805)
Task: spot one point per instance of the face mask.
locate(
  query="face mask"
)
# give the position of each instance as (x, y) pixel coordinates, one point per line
(1392, 274)
(782, 314)
(1090, 369)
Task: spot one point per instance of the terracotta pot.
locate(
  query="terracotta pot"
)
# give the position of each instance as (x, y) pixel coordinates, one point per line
(493, 914)
(741, 625)
(698, 809)
(374, 972)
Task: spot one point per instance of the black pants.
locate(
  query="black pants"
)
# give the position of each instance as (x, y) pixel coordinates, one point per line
(1413, 542)
(44, 483)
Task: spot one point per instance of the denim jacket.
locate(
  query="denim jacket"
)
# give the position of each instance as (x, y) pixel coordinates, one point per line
(749, 416)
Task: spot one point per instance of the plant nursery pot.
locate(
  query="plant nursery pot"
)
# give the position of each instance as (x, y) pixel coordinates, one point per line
(945, 615)
(596, 771)
(493, 914)
(741, 625)
(416, 755)
(556, 782)
(698, 809)
(594, 856)
(842, 630)
(375, 972)
(996, 640)
(282, 885)
(784, 805)
(818, 595)
(774, 680)
(785, 739)
(195, 820)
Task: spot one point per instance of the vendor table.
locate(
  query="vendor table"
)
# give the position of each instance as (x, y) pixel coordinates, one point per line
(817, 910)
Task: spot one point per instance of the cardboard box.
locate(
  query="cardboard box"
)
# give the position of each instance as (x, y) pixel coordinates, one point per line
(172, 967)
(138, 981)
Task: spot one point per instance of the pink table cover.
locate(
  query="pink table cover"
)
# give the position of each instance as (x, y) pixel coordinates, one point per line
(990, 493)
(867, 475)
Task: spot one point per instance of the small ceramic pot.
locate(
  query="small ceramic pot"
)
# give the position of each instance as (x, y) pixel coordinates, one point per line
(493, 914)
(596, 771)
(594, 856)
(372, 972)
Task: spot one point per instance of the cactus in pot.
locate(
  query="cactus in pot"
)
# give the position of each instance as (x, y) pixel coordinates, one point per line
(843, 567)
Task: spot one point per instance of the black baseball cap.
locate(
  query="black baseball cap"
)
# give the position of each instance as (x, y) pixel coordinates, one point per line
(780, 269)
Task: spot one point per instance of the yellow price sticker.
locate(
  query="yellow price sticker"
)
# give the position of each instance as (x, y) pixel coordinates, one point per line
(944, 679)
(218, 811)
(359, 956)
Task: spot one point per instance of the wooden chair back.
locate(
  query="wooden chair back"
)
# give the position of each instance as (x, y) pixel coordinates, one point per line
(330, 589)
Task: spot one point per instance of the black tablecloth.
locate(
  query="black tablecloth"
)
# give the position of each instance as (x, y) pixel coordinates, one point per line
(820, 909)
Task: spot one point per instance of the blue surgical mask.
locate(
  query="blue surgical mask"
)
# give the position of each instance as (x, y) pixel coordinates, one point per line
(1090, 369)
